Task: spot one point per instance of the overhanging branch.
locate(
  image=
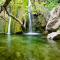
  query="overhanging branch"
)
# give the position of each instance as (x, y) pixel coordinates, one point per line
(4, 5)
(13, 16)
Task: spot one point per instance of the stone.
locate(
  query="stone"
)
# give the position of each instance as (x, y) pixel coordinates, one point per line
(53, 22)
(54, 36)
(53, 25)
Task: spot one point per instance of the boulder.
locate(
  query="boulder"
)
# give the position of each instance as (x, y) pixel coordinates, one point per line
(54, 36)
(53, 25)
(53, 22)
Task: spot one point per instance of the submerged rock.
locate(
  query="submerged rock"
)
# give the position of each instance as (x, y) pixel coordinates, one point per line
(54, 36)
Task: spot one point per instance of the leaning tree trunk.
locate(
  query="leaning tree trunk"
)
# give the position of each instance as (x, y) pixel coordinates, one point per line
(6, 3)
(4, 7)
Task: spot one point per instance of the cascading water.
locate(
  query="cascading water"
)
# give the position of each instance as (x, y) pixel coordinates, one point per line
(30, 16)
(30, 20)
(9, 24)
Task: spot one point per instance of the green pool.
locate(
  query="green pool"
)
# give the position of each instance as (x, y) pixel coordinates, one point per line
(20, 47)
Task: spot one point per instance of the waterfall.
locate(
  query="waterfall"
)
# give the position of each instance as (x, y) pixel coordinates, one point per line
(30, 20)
(9, 24)
(30, 15)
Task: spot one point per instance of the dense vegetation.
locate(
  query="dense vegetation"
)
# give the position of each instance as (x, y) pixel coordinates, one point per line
(19, 11)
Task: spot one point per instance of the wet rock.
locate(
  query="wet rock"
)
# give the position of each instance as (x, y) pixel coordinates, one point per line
(54, 36)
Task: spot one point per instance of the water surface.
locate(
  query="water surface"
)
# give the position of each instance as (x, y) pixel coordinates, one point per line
(20, 47)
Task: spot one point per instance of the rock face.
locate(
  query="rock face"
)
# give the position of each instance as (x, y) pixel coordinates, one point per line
(53, 24)
(39, 23)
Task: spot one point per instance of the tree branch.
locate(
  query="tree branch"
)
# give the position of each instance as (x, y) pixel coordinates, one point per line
(4, 5)
(13, 17)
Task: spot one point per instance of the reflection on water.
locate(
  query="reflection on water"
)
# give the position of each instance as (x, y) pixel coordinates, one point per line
(53, 44)
(9, 42)
(16, 47)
